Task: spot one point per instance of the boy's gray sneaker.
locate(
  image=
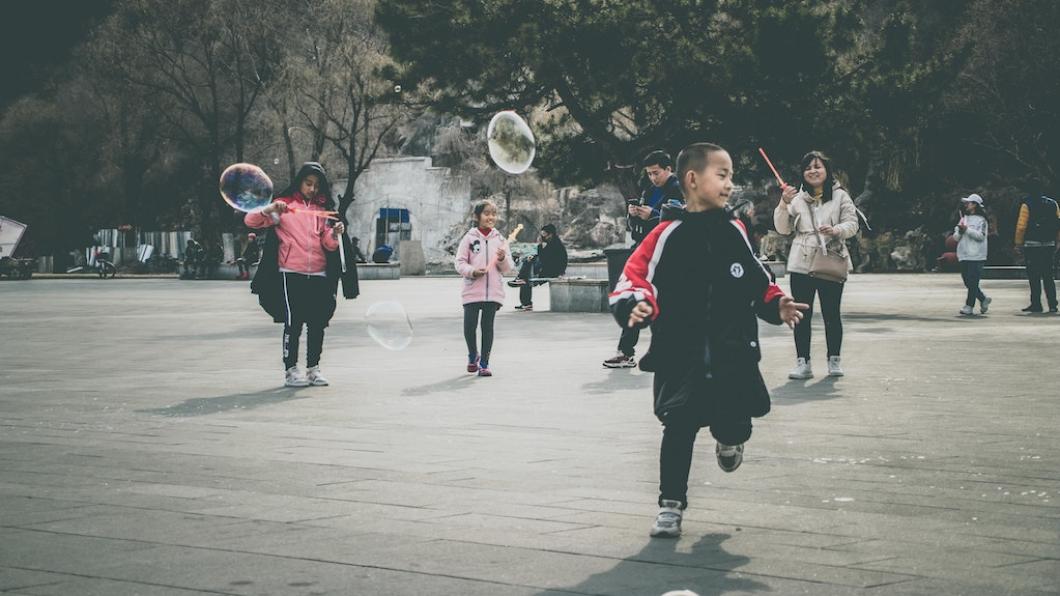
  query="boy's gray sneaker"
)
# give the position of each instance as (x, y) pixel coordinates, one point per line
(967, 310)
(729, 456)
(668, 521)
(985, 306)
(315, 377)
(835, 366)
(802, 370)
(294, 377)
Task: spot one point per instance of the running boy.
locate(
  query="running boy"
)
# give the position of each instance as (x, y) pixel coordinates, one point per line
(695, 279)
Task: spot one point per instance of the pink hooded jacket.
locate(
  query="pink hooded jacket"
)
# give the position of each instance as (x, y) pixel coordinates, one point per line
(476, 252)
(303, 237)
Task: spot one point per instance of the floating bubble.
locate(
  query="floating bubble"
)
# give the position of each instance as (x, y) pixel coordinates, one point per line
(246, 187)
(511, 143)
(389, 325)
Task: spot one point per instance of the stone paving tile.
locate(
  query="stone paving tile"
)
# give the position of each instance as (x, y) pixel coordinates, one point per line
(407, 476)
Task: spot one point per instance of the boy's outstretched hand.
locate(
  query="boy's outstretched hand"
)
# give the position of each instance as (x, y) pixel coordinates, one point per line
(640, 312)
(791, 311)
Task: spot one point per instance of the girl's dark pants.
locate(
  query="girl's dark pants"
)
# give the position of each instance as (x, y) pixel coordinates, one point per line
(971, 273)
(488, 310)
(803, 289)
(309, 302)
(679, 438)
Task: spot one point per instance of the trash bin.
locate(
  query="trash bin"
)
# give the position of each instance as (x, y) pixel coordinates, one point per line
(616, 260)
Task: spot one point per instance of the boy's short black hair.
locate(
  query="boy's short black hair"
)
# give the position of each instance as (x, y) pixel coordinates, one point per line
(694, 158)
(657, 158)
(551, 229)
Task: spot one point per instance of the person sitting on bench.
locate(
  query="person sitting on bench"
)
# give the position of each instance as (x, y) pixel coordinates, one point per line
(550, 261)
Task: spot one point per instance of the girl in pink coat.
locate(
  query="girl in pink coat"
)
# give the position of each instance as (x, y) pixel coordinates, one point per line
(481, 258)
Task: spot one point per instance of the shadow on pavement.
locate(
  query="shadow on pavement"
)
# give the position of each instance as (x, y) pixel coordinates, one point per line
(706, 554)
(797, 391)
(620, 379)
(453, 384)
(204, 406)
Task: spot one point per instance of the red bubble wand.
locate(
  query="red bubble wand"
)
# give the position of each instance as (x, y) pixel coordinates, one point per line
(770, 164)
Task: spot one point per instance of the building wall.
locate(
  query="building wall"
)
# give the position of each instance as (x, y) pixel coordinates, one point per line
(438, 201)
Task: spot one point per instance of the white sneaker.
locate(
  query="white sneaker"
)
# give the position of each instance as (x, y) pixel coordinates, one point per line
(668, 521)
(966, 310)
(294, 377)
(835, 366)
(985, 306)
(315, 378)
(802, 370)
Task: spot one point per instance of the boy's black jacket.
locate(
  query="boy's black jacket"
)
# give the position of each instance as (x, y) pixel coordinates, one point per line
(268, 283)
(706, 288)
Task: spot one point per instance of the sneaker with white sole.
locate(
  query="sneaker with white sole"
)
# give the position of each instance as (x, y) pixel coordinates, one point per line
(802, 369)
(620, 360)
(729, 456)
(985, 305)
(294, 377)
(835, 366)
(315, 378)
(668, 521)
(967, 310)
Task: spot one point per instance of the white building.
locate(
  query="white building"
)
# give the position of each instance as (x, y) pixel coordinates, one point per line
(407, 198)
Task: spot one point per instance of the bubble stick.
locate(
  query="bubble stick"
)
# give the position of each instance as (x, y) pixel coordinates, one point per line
(770, 164)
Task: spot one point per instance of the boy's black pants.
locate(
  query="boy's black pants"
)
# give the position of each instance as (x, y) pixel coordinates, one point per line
(1040, 273)
(679, 436)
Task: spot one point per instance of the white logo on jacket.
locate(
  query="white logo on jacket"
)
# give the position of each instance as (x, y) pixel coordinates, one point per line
(736, 270)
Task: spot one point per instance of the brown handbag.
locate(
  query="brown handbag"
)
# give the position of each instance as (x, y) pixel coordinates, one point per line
(826, 265)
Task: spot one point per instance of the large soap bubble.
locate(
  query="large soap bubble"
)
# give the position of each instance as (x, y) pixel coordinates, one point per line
(389, 325)
(511, 142)
(246, 187)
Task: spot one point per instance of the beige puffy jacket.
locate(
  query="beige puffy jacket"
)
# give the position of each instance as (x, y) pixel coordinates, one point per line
(795, 217)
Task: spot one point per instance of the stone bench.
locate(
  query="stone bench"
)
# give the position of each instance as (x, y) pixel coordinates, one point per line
(594, 270)
(779, 268)
(378, 271)
(1005, 272)
(578, 295)
(364, 271)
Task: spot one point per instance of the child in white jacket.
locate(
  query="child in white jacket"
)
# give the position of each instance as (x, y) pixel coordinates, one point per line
(970, 233)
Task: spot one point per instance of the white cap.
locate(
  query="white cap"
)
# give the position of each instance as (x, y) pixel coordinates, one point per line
(973, 198)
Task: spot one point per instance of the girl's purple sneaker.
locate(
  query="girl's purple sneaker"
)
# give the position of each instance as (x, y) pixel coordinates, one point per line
(472, 364)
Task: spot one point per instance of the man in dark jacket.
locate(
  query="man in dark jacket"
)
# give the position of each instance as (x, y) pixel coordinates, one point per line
(550, 261)
(695, 279)
(662, 189)
(1037, 233)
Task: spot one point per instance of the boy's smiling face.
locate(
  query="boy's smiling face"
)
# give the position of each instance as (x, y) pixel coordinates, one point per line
(710, 187)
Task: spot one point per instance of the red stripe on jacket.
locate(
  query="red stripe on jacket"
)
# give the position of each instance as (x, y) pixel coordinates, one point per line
(637, 275)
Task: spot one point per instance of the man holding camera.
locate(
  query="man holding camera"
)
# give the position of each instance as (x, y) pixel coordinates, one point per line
(642, 216)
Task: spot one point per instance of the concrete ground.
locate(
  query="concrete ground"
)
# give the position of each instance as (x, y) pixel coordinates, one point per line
(147, 447)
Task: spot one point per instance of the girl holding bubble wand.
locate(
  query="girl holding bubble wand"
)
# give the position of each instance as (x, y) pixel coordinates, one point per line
(481, 259)
(308, 241)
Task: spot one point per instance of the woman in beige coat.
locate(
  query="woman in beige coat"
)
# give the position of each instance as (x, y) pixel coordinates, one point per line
(837, 220)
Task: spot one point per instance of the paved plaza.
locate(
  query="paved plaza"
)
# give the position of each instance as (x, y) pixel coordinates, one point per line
(147, 447)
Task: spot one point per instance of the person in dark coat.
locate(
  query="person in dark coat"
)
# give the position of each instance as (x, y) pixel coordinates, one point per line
(662, 189)
(298, 284)
(696, 281)
(550, 261)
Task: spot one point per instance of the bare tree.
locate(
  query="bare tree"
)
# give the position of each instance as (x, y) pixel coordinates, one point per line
(210, 61)
(351, 92)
